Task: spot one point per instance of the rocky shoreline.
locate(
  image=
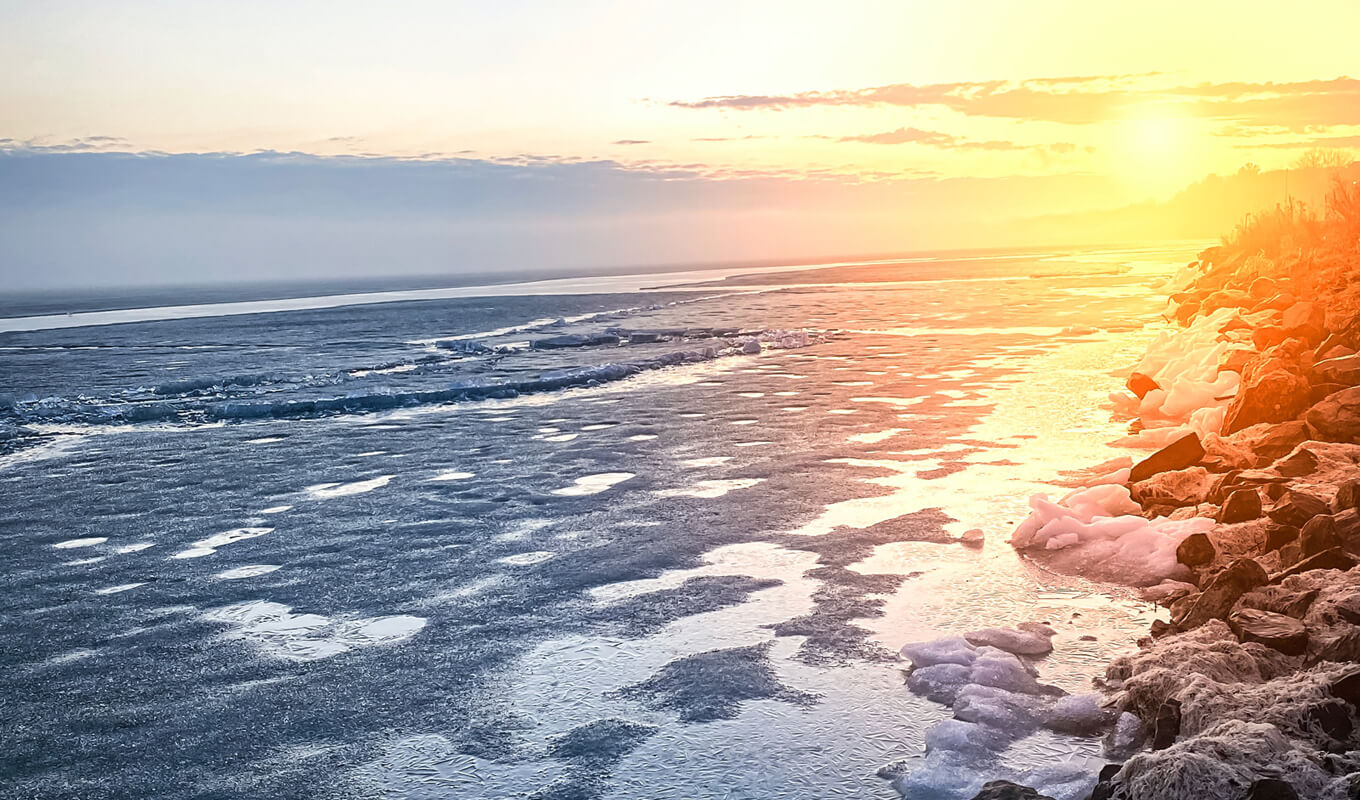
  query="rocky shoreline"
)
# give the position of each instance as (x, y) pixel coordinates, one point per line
(1244, 523)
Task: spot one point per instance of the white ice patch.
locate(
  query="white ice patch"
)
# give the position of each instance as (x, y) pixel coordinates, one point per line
(322, 491)
(275, 509)
(453, 475)
(561, 437)
(593, 484)
(525, 559)
(277, 631)
(208, 546)
(250, 571)
(875, 436)
(711, 461)
(599, 426)
(711, 489)
(89, 541)
(642, 437)
(265, 440)
(370, 454)
(743, 421)
(134, 548)
(119, 589)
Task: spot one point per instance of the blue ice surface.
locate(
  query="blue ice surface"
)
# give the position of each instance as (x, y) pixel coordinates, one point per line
(571, 644)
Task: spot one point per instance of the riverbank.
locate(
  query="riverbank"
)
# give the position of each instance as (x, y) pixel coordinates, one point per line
(1244, 524)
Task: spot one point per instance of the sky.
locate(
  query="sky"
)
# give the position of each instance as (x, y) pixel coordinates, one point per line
(668, 132)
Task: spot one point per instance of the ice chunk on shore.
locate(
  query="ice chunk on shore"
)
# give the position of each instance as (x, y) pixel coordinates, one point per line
(1096, 532)
(1184, 362)
(1029, 639)
(997, 700)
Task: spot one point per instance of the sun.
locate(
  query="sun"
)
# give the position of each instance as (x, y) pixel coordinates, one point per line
(1153, 150)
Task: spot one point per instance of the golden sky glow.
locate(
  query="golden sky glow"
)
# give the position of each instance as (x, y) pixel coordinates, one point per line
(602, 79)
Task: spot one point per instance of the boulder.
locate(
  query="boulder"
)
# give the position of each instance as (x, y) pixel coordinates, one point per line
(1280, 600)
(1141, 384)
(1268, 336)
(1224, 298)
(1222, 593)
(1195, 550)
(1167, 726)
(1242, 505)
(1005, 790)
(1347, 497)
(1180, 454)
(1296, 508)
(1276, 631)
(1271, 789)
(1321, 391)
(1347, 686)
(1270, 442)
(1336, 418)
(1276, 396)
(1333, 718)
(1330, 645)
(1318, 534)
(1183, 487)
(1345, 369)
(1336, 558)
(1263, 288)
(1278, 536)
(1306, 321)
(1297, 464)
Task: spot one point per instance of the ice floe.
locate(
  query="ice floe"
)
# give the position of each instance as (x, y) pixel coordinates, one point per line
(208, 546)
(593, 484)
(249, 571)
(711, 489)
(324, 491)
(120, 588)
(88, 541)
(277, 631)
(453, 475)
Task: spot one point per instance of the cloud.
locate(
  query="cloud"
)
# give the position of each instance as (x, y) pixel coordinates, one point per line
(909, 135)
(1341, 142)
(632, 141)
(1087, 99)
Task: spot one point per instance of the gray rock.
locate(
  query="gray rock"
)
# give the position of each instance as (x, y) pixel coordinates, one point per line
(1318, 534)
(1336, 418)
(1222, 593)
(1345, 369)
(1167, 726)
(1141, 384)
(1005, 790)
(1242, 505)
(1276, 396)
(1296, 508)
(1271, 789)
(1276, 631)
(1195, 550)
(1335, 558)
(1347, 496)
(1180, 454)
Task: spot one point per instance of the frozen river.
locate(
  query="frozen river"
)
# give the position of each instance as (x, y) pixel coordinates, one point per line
(387, 550)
